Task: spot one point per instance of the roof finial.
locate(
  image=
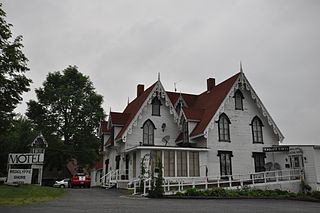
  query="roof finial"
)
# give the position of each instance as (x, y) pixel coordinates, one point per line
(158, 76)
(241, 70)
(128, 101)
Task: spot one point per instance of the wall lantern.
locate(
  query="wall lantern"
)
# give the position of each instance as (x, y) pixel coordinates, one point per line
(163, 127)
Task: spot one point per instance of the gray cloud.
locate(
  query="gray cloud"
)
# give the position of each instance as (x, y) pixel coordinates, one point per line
(122, 43)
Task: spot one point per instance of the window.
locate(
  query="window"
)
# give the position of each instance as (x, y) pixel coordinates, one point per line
(256, 125)
(194, 164)
(182, 164)
(148, 133)
(117, 162)
(179, 107)
(225, 163)
(185, 132)
(238, 96)
(223, 126)
(259, 162)
(156, 106)
(169, 163)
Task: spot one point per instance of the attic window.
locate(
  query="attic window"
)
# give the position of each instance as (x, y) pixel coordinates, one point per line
(185, 132)
(238, 96)
(156, 106)
(179, 106)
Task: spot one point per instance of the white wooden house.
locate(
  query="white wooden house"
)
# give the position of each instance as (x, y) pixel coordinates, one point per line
(223, 132)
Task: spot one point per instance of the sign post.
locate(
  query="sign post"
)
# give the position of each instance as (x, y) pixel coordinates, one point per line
(27, 168)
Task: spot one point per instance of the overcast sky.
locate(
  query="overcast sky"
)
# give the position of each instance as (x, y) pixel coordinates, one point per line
(120, 44)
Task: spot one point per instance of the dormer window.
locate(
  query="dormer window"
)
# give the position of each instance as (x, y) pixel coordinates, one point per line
(185, 132)
(156, 103)
(179, 107)
(238, 96)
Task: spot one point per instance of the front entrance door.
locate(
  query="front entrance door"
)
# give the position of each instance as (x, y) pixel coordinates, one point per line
(35, 176)
(107, 166)
(117, 162)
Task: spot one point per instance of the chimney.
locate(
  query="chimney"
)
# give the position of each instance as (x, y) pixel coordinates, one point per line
(140, 89)
(211, 83)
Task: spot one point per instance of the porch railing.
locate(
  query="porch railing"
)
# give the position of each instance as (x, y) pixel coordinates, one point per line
(178, 184)
(112, 177)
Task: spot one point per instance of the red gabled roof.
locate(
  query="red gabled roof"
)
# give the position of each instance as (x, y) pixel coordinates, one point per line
(132, 109)
(210, 102)
(188, 98)
(119, 119)
(200, 108)
(104, 127)
(193, 114)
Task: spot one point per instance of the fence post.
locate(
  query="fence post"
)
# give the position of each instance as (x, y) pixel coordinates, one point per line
(144, 187)
(265, 177)
(206, 186)
(193, 184)
(230, 183)
(134, 187)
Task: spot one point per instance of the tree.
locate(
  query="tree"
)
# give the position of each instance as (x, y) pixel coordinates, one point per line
(68, 108)
(13, 82)
(18, 138)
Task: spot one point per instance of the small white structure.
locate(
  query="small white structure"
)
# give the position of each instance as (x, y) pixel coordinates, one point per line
(219, 137)
(27, 168)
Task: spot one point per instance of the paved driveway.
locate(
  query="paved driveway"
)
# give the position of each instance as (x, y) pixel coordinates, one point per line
(100, 200)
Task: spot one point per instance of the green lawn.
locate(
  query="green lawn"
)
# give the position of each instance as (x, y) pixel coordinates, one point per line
(24, 194)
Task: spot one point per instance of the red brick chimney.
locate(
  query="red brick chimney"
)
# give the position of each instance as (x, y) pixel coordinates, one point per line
(211, 83)
(140, 89)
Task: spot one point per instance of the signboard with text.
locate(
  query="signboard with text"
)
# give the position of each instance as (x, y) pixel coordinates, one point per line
(22, 176)
(26, 158)
(276, 149)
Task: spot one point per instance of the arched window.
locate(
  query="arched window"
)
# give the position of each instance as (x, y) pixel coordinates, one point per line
(256, 126)
(156, 106)
(223, 126)
(179, 106)
(238, 99)
(148, 133)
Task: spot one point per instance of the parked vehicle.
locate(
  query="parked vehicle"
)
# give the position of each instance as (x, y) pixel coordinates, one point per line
(80, 179)
(65, 183)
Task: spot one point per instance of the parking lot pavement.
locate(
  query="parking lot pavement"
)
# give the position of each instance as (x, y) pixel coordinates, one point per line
(101, 200)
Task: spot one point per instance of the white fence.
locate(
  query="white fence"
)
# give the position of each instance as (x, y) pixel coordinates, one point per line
(178, 184)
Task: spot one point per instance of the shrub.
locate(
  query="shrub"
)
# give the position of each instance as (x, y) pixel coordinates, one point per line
(316, 194)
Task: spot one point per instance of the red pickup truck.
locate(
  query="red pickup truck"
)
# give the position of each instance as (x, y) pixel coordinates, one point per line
(80, 179)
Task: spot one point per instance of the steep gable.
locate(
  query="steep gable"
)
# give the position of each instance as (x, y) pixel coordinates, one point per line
(132, 109)
(210, 101)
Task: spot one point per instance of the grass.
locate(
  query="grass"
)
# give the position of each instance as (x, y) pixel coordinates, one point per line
(25, 194)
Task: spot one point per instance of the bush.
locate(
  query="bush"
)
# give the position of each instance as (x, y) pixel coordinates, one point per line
(316, 194)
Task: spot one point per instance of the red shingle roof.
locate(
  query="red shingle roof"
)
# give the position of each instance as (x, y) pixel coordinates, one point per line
(132, 109)
(118, 118)
(188, 98)
(193, 114)
(104, 127)
(210, 102)
(200, 108)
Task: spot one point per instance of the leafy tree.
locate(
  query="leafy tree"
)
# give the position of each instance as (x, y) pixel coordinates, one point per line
(13, 82)
(19, 137)
(68, 109)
